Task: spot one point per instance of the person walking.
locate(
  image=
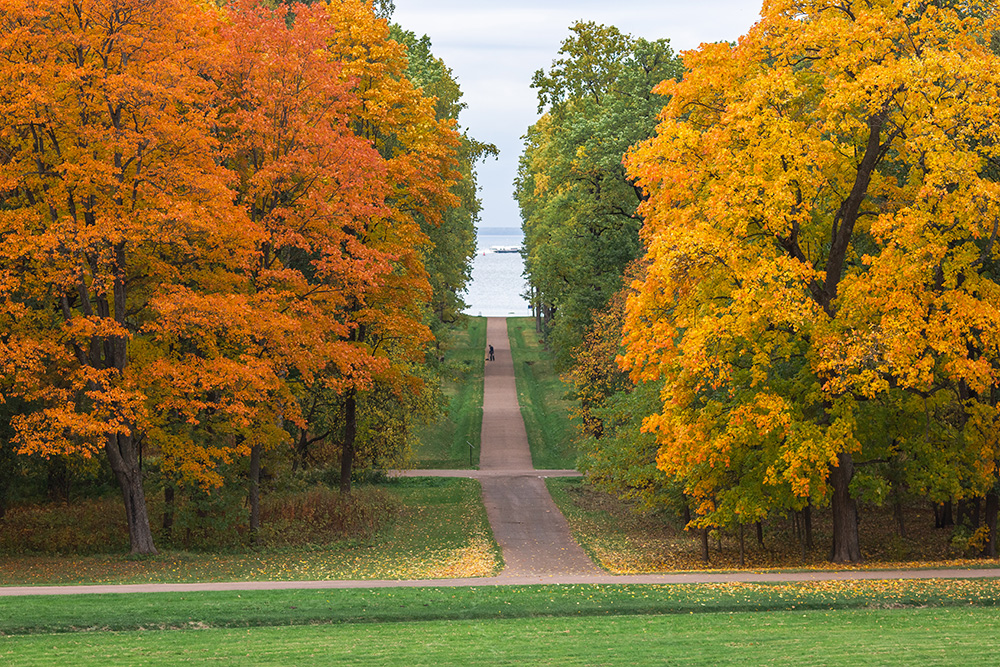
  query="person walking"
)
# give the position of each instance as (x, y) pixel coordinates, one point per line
(491, 353)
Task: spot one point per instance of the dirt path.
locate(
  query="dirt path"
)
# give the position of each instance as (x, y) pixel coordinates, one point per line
(531, 531)
(510, 580)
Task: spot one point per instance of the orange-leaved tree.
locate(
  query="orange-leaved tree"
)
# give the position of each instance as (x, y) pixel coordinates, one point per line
(820, 240)
(311, 184)
(386, 312)
(111, 200)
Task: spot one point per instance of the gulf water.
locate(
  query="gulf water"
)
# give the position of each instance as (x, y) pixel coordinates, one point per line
(498, 286)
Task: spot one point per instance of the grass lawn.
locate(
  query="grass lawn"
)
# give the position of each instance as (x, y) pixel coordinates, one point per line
(887, 637)
(833, 623)
(445, 444)
(442, 532)
(541, 393)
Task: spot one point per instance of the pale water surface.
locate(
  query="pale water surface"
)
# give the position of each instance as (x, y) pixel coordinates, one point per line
(498, 286)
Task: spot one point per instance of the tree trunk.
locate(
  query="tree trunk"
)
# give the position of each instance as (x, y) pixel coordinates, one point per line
(897, 511)
(965, 513)
(255, 452)
(123, 456)
(807, 520)
(704, 544)
(537, 307)
(168, 509)
(846, 545)
(742, 548)
(760, 533)
(992, 507)
(57, 479)
(803, 549)
(301, 451)
(350, 433)
(943, 515)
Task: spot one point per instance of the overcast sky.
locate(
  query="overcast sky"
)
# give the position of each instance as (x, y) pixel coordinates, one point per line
(493, 48)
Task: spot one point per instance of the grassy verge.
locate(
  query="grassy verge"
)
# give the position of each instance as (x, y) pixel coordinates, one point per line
(897, 637)
(830, 623)
(445, 444)
(441, 532)
(237, 609)
(624, 540)
(541, 393)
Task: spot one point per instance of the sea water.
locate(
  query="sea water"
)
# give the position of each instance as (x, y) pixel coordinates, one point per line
(498, 286)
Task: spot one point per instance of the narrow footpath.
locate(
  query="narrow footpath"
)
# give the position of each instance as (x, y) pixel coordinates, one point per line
(531, 531)
(533, 535)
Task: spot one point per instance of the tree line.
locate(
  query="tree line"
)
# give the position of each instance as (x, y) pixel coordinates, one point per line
(224, 231)
(803, 310)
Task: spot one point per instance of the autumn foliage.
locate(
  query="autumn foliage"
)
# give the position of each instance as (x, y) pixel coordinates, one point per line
(812, 319)
(206, 217)
(821, 297)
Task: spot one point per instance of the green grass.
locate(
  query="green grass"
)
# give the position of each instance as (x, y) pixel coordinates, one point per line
(442, 532)
(236, 609)
(444, 444)
(907, 622)
(542, 395)
(592, 530)
(900, 637)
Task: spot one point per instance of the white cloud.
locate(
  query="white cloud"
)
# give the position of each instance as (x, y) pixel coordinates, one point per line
(494, 49)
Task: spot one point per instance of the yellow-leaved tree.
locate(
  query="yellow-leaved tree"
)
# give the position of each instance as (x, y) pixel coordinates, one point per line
(821, 295)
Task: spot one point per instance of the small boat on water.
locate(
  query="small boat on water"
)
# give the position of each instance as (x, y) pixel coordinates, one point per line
(505, 248)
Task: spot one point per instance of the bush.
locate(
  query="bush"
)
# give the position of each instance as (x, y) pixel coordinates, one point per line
(85, 527)
(206, 520)
(321, 515)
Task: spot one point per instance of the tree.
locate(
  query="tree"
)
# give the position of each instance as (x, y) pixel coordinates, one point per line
(109, 185)
(307, 181)
(820, 231)
(615, 454)
(451, 243)
(385, 313)
(577, 204)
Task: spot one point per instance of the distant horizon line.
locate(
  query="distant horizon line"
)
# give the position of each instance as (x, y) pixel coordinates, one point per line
(499, 231)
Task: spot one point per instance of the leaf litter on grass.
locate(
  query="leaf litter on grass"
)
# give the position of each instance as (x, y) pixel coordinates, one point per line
(625, 539)
(442, 533)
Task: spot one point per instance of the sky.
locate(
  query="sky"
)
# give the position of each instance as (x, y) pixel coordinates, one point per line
(493, 48)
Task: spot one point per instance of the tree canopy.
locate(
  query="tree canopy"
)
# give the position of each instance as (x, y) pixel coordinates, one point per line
(211, 217)
(577, 204)
(820, 294)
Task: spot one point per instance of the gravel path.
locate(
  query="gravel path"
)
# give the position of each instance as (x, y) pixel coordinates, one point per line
(531, 531)
(514, 580)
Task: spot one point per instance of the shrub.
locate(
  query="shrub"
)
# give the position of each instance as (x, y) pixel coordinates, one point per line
(321, 515)
(206, 520)
(86, 526)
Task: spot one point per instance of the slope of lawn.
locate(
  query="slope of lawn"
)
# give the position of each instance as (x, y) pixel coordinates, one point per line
(542, 395)
(440, 530)
(448, 442)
